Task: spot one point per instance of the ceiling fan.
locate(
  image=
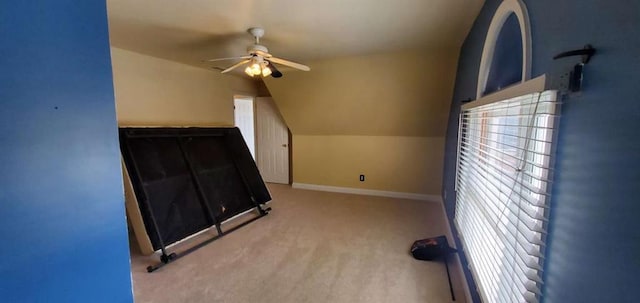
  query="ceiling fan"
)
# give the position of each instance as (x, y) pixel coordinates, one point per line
(259, 61)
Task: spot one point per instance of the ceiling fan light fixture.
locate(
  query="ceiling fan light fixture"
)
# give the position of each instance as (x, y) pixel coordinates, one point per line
(248, 71)
(266, 71)
(256, 69)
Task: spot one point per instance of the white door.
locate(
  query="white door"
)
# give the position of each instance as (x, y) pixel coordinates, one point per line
(243, 116)
(273, 142)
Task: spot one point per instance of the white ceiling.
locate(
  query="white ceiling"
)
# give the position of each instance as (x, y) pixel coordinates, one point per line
(300, 30)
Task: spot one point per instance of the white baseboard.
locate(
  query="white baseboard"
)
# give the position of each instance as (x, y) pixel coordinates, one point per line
(368, 192)
(465, 284)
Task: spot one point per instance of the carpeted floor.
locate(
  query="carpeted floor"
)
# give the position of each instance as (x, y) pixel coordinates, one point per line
(313, 247)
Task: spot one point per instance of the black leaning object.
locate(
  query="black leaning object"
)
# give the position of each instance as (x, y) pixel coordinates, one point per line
(432, 249)
(189, 179)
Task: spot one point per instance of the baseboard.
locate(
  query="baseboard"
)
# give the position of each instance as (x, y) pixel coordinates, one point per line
(465, 284)
(368, 192)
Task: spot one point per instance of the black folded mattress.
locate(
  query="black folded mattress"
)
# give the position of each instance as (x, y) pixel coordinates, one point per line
(189, 179)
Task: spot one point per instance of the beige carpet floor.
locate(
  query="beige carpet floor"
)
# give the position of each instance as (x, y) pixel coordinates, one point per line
(313, 247)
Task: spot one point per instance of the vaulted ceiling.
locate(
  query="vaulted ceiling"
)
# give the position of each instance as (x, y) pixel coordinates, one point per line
(299, 30)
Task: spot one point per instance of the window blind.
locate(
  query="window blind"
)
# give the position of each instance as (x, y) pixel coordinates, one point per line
(503, 188)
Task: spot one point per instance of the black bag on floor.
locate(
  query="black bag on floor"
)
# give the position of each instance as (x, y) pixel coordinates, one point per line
(431, 248)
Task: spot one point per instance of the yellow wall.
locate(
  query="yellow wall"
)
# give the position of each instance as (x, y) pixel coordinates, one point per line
(382, 115)
(156, 92)
(262, 90)
(390, 163)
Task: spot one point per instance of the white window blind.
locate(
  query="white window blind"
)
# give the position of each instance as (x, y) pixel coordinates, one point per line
(503, 188)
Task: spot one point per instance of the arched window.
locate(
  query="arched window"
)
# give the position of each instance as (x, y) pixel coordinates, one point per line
(506, 57)
(503, 183)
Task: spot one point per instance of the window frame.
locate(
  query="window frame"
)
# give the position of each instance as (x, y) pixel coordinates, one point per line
(529, 87)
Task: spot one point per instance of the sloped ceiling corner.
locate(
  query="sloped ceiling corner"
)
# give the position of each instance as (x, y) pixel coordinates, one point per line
(394, 94)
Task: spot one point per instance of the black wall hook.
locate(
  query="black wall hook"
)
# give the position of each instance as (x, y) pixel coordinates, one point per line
(576, 75)
(587, 52)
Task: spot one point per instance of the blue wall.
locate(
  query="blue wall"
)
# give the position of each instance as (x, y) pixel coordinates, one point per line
(62, 219)
(594, 242)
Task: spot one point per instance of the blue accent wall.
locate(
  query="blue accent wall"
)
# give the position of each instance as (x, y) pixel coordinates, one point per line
(594, 241)
(62, 219)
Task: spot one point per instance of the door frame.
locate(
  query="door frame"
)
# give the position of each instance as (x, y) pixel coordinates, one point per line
(255, 120)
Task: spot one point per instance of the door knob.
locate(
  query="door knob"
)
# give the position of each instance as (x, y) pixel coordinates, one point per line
(284, 145)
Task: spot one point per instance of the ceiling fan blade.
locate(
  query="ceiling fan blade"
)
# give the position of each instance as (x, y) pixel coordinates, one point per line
(235, 66)
(229, 58)
(290, 64)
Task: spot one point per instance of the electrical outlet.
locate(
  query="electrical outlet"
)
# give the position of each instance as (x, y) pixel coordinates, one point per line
(361, 178)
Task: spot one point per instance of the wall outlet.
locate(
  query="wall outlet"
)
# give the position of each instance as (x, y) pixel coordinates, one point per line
(361, 178)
